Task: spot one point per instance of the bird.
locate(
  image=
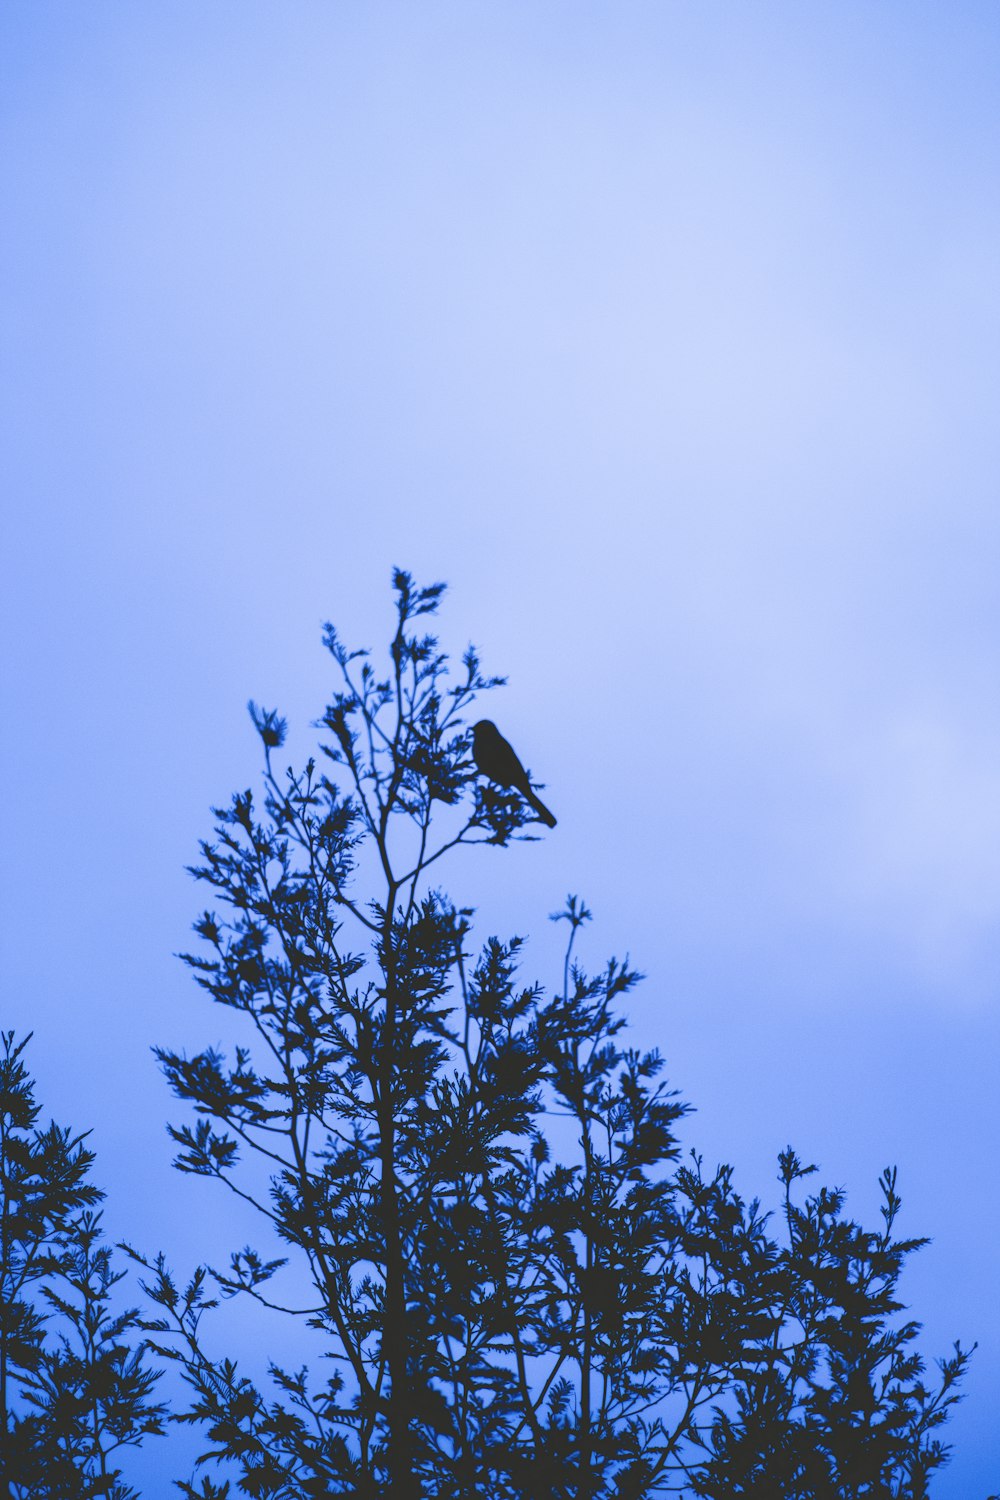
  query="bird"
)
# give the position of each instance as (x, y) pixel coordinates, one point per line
(497, 760)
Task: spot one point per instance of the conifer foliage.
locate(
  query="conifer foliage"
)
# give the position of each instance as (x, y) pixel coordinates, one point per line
(518, 1284)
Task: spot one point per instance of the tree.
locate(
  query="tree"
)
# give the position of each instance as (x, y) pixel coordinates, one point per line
(73, 1389)
(504, 1318)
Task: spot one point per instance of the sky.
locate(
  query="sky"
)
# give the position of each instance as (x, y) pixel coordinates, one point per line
(667, 334)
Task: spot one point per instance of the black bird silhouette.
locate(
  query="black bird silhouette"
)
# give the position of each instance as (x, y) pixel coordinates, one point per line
(496, 759)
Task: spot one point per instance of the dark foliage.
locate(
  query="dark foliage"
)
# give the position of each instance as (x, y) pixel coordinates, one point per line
(497, 1317)
(73, 1389)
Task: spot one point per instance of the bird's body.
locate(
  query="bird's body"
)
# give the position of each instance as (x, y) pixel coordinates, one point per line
(497, 760)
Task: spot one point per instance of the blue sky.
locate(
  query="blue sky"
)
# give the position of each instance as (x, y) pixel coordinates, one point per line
(668, 334)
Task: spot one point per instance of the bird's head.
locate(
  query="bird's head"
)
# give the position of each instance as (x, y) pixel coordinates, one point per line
(485, 726)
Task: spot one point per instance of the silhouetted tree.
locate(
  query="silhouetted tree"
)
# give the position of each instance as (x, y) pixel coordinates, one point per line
(73, 1389)
(524, 1290)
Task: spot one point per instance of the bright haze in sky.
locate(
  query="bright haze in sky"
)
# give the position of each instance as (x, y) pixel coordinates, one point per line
(668, 335)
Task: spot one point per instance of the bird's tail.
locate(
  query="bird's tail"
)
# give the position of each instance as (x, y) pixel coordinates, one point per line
(541, 810)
